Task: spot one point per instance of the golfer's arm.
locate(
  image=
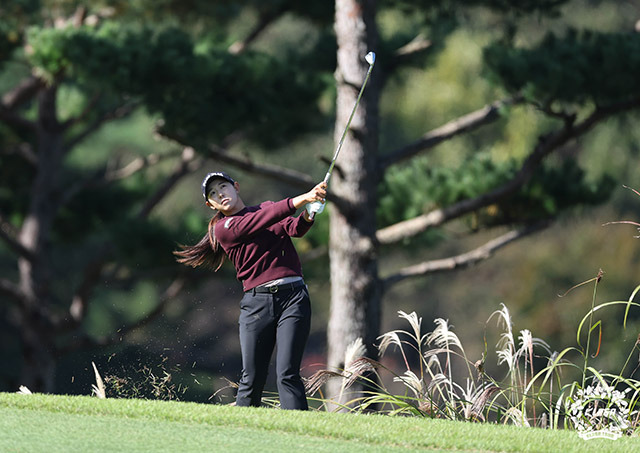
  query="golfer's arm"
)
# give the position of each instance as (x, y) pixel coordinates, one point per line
(299, 204)
(300, 200)
(306, 216)
(315, 194)
(237, 228)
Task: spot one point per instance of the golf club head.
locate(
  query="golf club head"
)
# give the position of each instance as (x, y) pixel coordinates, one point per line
(370, 58)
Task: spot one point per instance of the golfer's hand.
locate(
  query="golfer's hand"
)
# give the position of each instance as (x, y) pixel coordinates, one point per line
(314, 208)
(318, 193)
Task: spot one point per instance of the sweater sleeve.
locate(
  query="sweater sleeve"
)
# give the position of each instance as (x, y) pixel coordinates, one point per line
(233, 229)
(296, 227)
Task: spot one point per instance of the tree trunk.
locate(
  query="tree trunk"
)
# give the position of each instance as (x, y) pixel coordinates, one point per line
(37, 323)
(355, 286)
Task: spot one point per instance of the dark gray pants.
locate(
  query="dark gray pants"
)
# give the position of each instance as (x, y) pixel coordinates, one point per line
(280, 320)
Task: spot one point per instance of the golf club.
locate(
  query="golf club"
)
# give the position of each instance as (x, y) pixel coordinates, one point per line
(371, 59)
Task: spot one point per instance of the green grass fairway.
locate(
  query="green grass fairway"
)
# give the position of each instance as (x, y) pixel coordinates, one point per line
(50, 423)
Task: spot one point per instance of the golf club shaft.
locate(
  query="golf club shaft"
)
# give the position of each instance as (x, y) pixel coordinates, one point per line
(346, 129)
(371, 60)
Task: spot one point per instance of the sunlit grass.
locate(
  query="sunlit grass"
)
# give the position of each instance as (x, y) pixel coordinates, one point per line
(50, 423)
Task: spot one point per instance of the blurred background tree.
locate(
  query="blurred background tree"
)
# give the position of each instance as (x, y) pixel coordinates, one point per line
(78, 217)
(112, 112)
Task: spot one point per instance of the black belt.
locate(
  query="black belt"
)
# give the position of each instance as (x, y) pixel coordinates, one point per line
(277, 288)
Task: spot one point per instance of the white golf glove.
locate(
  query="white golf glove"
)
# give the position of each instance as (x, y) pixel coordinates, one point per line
(314, 208)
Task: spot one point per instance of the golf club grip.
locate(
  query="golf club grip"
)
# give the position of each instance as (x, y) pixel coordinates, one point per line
(313, 214)
(326, 179)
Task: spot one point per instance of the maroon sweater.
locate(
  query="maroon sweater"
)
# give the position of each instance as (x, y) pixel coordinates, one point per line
(257, 240)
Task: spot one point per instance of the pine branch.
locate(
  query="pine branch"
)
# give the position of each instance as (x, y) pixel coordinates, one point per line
(220, 153)
(546, 145)
(189, 163)
(464, 124)
(107, 175)
(11, 290)
(276, 172)
(172, 291)
(15, 121)
(414, 48)
(467, 259)
(138, 164)
(266, 18)
(91, 105)
(115, 114)
(23, 150)
(9, 234)
(22, 92)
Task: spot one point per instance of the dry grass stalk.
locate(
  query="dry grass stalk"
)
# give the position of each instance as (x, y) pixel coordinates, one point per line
(442, 336)
(230, 384)
(413, 382)
(474, 411)
(98, 388)
(359, 368)
(318, 379)
(354, 351)
(427, 406)
(517, 417)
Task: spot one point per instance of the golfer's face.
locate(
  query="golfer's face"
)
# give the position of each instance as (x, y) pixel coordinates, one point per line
(223, 196)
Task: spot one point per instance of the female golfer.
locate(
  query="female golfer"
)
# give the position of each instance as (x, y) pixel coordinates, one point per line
(275, 309)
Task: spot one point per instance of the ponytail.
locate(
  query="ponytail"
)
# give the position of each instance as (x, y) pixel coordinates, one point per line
(207, 252)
